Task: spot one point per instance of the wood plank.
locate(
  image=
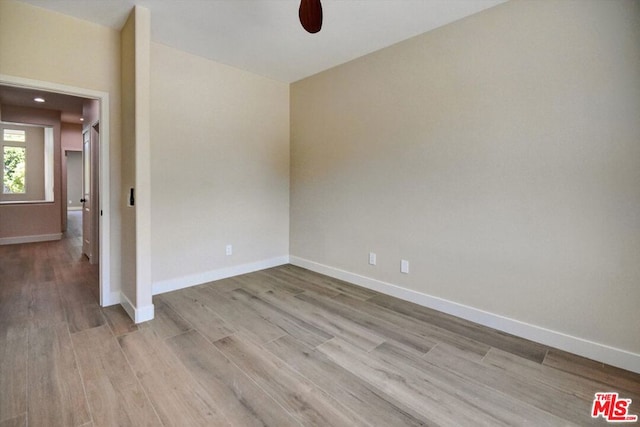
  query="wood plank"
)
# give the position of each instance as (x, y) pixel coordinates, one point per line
(494, 338)
(19, 421)
(296, 394)
(336, 285)
(81, 316)
(301, 330)
(543, 396)
(579, 386)
(501, 406)
(56, 394)
(596, 371)
(46, 307)
(403, 336)
(118, 320)
(255, 282)
(166, 321)
(114, 393)
(319, 318)
(225, 285)
(294, 284)
(178, 399)
(241, 400)
(374, 406)
(193, 310)
(13, 370)
(42, 271)
(262, 281)
(14, 306)
(429, 332)
(422, 396)
(234, 312)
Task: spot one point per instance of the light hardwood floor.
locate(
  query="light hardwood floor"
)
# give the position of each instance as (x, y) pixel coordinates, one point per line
(280, 347)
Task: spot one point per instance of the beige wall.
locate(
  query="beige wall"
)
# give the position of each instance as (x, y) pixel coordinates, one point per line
(498, 154)
(128, 159)
(136, 266)
(219, 166)
(50, 47)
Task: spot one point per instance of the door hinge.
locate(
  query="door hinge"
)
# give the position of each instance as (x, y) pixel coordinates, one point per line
(100, 212)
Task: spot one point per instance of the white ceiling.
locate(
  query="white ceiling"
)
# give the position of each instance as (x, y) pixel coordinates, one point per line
(265, 36)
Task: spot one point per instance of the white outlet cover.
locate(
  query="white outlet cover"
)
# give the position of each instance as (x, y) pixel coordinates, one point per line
(372, 258)
(229, 250)
(404, 266)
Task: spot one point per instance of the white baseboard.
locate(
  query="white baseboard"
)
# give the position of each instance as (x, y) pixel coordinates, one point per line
(113, 299)
(221, 273)
(30, 239)
(139, 314)
(582, 347)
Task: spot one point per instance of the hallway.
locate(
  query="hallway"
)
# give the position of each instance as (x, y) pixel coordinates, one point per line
(48, 291)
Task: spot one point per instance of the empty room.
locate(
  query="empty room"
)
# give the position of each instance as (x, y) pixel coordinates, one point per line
(319, 212)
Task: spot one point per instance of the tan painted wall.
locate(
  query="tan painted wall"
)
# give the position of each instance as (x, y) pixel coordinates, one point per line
(128, 160)
(500, 155)
(71, 136)
(34, 219)
(135, 48)
(219, 165)
(73, 52)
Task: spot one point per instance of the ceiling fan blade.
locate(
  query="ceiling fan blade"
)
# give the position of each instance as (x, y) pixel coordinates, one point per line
(310, 14)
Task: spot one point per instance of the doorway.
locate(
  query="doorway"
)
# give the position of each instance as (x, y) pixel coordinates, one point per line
(107, 297)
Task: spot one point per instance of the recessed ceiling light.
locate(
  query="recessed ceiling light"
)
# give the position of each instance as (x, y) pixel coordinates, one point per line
(81, 119)
(38, 99)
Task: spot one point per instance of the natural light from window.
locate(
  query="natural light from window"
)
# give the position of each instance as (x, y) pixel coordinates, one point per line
(15, 162)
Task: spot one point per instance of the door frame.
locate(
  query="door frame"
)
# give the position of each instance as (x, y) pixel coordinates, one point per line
(107, 297)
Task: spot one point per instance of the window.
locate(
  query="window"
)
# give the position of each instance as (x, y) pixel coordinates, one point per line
(15, 164)
(13, 135)
(27, 158)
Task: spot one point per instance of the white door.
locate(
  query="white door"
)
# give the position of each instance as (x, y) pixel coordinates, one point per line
(87, 200)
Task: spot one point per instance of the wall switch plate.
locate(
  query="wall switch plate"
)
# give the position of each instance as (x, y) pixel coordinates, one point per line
(372, 258)
(404, 266)
(229, 249)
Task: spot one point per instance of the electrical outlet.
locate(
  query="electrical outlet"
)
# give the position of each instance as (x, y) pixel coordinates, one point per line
(372, 258)
(229, 250)
(404, 266)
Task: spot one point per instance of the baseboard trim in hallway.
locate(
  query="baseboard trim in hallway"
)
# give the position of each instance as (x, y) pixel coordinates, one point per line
(582, 347)
(30, 239)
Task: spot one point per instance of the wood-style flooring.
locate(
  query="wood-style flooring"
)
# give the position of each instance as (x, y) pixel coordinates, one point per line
(280, 347)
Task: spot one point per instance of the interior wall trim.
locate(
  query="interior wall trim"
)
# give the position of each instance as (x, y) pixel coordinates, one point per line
(138, 314)
(30, 239)
(576, 345)
(169, 285)
(113, 299)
